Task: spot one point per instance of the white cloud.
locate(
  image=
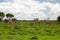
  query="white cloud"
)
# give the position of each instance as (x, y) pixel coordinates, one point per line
(24, 9)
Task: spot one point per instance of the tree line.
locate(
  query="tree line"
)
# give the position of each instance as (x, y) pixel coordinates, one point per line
(10, 16)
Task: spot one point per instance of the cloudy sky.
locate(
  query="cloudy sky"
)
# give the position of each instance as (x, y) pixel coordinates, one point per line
(30, 9)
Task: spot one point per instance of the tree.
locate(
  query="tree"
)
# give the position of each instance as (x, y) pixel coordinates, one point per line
(1, 16)
(58, 19)
(9, 16)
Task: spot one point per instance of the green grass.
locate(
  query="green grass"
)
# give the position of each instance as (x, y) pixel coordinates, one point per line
(28, 30)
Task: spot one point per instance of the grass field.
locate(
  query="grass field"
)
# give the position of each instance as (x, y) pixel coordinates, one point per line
(29, 31)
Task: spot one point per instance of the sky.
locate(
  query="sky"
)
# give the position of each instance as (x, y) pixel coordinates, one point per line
(30, 9)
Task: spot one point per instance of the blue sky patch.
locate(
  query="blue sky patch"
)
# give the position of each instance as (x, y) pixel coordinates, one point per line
(52, 1)
(6, 0)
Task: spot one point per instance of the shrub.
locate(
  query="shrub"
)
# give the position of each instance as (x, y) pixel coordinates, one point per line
(5, 20)
(14, 19)
(58, 19)
(34, 38)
